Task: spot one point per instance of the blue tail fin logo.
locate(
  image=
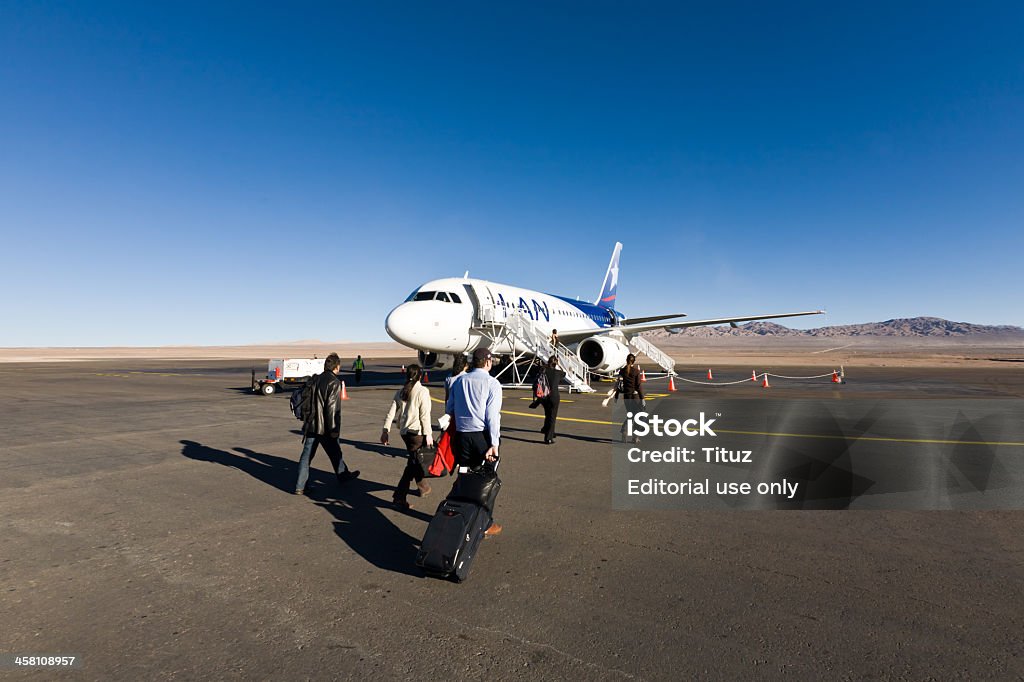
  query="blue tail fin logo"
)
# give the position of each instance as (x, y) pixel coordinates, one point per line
(611, 280)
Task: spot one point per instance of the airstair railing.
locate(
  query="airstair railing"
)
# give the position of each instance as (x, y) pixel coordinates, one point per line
(644, 346)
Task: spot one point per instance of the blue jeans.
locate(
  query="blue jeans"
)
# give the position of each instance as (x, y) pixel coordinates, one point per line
(331, 446)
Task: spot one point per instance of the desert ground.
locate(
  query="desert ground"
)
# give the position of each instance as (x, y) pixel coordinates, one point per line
(861, 351)
(149, 528)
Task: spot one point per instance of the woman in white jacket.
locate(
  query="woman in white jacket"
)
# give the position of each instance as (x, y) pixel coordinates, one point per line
(411, 405)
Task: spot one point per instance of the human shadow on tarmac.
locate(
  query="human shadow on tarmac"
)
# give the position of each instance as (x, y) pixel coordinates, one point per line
(360, 522)
(366, 446)
(359, 518)
(277, 472)
(559, 434)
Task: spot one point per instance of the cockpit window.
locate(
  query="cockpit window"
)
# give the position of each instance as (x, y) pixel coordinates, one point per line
(443, 296)
(411, 296)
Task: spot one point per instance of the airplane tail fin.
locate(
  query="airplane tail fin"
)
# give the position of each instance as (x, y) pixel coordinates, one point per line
(611, 280)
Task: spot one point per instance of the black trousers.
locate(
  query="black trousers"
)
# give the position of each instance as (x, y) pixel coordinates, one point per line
(413, 471)
(470, 448)
(550, 416)
(359, 376)
(633, 403)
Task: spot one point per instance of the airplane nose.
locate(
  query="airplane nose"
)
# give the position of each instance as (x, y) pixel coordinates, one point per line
(399, 325)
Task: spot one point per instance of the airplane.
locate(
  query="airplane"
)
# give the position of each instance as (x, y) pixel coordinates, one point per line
(456, 315)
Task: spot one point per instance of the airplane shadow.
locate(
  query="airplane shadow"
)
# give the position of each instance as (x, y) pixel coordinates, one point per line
(358, 515)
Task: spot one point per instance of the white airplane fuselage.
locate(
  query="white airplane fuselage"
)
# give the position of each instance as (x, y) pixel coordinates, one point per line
(444, 315)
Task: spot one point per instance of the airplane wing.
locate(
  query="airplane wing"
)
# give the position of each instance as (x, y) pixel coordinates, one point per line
(653, 318)
(630, 329)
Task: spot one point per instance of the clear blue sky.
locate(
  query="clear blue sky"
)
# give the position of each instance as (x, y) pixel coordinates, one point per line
(204, 173)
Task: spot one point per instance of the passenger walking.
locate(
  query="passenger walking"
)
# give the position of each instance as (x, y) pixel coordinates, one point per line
(545, 391)
(630, 387)
(458, 367)
(411, 404)
(475, 405)
(321, 425)
(357, 367)
(554, 338)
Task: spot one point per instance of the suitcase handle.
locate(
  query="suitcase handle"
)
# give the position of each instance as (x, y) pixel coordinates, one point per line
(486, 467)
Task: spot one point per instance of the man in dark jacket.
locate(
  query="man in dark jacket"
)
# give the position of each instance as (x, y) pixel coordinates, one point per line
(321, 425)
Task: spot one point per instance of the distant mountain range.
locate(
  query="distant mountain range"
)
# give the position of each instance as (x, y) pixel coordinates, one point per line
(913, 327)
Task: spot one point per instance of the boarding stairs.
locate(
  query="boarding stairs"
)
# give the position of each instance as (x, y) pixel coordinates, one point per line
(642, 345)
(515, 326)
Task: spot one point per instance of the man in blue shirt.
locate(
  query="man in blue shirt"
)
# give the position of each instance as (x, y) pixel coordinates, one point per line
(474, 402)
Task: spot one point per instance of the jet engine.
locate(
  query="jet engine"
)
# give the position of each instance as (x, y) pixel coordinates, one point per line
(602, 354)
(430, 360)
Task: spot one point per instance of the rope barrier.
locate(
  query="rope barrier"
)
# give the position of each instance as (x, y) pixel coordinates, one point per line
(759, 377)
(714, 383)
(783, 376)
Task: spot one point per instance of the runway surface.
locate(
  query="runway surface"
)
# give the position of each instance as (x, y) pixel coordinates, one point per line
(149, 528)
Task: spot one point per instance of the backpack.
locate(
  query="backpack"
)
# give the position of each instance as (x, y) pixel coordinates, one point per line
(300, 401)
(543, 390)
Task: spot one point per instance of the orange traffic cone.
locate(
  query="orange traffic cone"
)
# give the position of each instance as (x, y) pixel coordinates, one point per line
(765, 384)
(643, 376)
(753, 376)
(426, 379)
(671, 383)
(835, 377)
(344, 393)
(709, 375)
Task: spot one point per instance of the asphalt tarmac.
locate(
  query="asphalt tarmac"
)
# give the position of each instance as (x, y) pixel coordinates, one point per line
(149, 528)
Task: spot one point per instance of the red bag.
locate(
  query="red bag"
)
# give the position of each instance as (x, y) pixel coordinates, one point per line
(444, 458)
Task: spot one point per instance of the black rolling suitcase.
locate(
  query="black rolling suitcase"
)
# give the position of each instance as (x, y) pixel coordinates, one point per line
(454, 534)
(452, 539)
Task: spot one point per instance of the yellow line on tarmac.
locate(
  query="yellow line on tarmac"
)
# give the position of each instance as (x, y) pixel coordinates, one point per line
(773, 434)
(540, 416)
(561, 419)
(563, 400)
(878, 439)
